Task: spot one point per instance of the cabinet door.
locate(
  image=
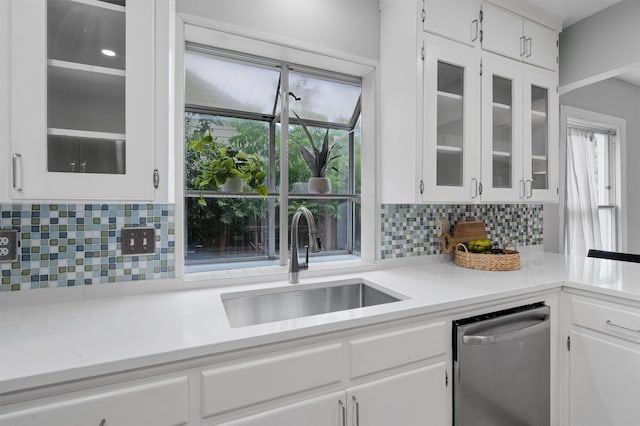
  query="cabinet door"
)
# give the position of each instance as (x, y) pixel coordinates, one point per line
(502, 32)
(502, 148)
(162, 403)
(604, 382)
(541, 45)
(456, 20)
(451, 125)
(326, 410)
(414, 398)
(82, 100)
(540, 177)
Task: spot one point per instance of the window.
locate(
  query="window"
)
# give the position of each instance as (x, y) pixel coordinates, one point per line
(235, 99)
(605, 165)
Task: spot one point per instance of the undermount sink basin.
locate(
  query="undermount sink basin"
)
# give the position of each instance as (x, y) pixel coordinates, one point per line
(258, 307)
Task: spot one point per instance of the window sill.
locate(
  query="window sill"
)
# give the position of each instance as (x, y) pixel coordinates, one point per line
(225, 276)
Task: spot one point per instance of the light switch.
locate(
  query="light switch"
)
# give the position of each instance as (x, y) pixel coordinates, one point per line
(138, 241)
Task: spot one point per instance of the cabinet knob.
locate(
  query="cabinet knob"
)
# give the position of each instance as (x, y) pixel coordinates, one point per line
(103, 422)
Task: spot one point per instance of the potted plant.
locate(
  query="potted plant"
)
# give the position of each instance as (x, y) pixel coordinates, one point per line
(228, 168)
(317, 160)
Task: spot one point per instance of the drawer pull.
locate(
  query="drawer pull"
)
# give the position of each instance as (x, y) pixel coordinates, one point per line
(343, 411)
(623, 327)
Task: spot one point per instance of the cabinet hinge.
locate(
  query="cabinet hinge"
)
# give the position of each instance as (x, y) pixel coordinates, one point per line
(557, 191)
(557, 43)
(156, 179)
(480, 188)
(446, 378)
(557, 89)
(423, 52)
(568, 343)
(481, 35)
(421, 187)
(480, 66)
(481, 15)
(424, 12)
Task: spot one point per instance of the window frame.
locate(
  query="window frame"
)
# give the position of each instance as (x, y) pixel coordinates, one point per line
(217, 35)
(600, 123)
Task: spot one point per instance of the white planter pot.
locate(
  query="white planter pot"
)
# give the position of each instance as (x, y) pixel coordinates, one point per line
(232, 184)
(319, 185)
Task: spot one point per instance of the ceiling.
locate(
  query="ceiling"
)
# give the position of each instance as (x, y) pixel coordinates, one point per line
(572, 11)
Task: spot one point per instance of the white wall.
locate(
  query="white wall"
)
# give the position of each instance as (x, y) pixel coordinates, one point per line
(620, 99)
(600, 46)
(348, 26)
(5, 102)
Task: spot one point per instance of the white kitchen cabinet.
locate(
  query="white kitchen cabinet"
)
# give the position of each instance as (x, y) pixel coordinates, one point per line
(158, 403)
(456, 20)
(509, 34)
(439, 116)
(326, 410)
(451, 122)
(414, 398)
(604, 364)
(82, 100)
(519, 132)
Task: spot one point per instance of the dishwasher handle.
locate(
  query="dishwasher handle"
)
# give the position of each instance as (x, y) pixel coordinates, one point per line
(514, 334)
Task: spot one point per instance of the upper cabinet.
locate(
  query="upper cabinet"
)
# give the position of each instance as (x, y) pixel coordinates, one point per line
(456, 20)
(467, 119)
(516, 37)
(82, 99)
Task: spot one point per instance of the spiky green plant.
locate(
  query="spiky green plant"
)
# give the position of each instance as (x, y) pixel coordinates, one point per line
(318, 160)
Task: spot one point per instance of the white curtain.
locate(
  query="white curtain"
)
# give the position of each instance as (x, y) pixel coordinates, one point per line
(582, 230)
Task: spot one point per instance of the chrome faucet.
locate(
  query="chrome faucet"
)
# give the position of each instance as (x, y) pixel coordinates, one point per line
(314, 242)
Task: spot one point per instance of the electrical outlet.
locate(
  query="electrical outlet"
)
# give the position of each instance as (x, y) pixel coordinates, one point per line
(8, 245)
(442, 225)
(138, 241)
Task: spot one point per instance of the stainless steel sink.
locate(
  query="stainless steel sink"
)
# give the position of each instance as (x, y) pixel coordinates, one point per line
(294, 302)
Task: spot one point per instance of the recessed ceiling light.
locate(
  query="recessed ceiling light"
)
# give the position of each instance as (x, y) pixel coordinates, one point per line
(108, 52)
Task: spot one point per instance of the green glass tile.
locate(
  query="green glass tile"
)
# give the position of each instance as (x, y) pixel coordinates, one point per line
(127, 271)
(53, 207)
(35, 207)
(96, 221)
(71, 268)
(71, 241)
(15, 266)
(120, 259)
(112, 226)
(62, 269)
(142, 276)
(25, 272)
(104, 267)
(104, 234)
(104, 240)
(35, 221)
(127, 206)
(62, 213)
(53, 242)
(35, 250)
(62, 249)
(79, 262)
(79, 227)
(44, 257)
(104, 253)
(15, 221)
(6, 280)
(87, 268)
(156, 269)
(44, 228)
(15, 287)
(88, 241)
(127, 213)
(112, 279)
(63, 228)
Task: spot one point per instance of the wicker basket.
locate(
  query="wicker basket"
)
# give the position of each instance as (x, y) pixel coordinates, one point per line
(509, 260)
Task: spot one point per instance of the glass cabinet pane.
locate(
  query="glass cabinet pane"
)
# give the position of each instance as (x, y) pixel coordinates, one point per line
(86, 86)
(450, 122)
(539, 137)
(502, 116)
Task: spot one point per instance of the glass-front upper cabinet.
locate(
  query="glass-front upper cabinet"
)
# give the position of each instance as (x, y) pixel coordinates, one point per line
(82, 99)
(451, 131)
(501, 129)
(541, 148)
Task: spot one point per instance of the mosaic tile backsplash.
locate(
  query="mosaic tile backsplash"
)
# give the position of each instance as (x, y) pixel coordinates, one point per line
(410, 230)
(79, 244)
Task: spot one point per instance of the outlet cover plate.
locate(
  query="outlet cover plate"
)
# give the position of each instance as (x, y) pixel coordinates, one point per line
(8, 245)
(138, 241)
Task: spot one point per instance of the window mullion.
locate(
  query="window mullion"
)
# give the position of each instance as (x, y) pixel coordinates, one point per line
(284, 164)
(271, 202)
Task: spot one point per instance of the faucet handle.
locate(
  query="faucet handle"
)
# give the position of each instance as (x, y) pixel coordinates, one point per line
(306, 258)
(319, 243)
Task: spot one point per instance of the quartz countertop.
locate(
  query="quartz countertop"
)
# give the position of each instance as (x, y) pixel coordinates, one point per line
(44, 344)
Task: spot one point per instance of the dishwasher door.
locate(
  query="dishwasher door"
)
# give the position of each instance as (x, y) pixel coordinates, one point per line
(502, 368)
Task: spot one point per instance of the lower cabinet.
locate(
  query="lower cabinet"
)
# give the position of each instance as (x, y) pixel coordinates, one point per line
(413, 398)
(158, 403)
(604, 364)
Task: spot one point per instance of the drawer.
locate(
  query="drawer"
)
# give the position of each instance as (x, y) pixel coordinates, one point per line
(162, 403)
(396, 348)
(615, 320)
(256, 381)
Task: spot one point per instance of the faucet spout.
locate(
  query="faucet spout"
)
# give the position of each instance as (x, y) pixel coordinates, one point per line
(314, 242)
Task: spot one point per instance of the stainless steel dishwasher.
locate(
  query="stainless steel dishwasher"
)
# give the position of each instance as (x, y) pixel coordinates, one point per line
(501, 368)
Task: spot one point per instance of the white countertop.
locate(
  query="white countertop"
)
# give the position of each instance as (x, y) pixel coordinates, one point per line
(43, 344)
